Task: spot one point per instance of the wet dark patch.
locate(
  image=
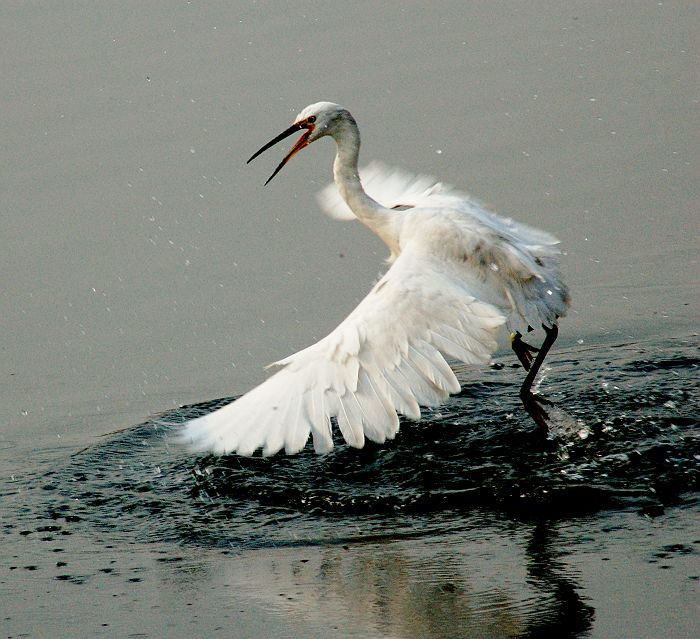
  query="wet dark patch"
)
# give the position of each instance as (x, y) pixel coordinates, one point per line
(626, 436)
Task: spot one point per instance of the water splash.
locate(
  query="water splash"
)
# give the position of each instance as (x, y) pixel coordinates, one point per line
(625, 434)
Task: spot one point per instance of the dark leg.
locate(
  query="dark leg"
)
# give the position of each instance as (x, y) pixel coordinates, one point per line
(533, 403)
(523, 350)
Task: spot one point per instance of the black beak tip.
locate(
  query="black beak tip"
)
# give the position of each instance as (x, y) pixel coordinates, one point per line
(285, 134)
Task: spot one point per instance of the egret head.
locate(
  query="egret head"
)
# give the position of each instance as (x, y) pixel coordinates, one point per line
(316, 120)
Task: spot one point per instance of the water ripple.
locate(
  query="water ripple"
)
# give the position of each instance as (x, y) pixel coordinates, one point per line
(625, 435)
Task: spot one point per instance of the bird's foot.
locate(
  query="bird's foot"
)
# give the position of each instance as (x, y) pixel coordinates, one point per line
(522, 350)
(534, 405)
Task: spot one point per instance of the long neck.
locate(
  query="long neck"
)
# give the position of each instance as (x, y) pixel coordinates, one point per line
(347, 179)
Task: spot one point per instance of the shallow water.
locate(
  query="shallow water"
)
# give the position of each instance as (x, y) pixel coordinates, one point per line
(468, 511)
(625, 434)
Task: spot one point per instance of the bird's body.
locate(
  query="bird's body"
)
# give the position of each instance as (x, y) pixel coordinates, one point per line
(460, 275)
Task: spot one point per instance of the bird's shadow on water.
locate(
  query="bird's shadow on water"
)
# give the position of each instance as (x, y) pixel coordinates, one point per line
(625, 435)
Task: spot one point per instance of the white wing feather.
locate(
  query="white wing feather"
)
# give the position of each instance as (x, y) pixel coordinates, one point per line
(385, 358)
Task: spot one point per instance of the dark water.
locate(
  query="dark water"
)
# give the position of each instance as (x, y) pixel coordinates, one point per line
(486, 524)
(626, 435)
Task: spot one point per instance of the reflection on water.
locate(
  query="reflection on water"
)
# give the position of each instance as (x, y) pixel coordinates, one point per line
(451, 529)
(566, 613)
(470, 585)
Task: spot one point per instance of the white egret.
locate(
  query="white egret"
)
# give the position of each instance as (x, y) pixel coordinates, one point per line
(459, 275)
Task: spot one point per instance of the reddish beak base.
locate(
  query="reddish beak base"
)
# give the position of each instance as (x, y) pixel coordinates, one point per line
(301, 143)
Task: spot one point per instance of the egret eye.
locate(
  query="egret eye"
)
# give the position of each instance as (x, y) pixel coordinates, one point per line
(311, 119)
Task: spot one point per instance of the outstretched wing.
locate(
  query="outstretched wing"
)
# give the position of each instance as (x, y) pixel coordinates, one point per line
(385, 358)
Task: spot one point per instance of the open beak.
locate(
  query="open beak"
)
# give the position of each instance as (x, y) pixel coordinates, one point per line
(300, 144)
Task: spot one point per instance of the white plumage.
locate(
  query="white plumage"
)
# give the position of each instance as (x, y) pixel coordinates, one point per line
(459, 274)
